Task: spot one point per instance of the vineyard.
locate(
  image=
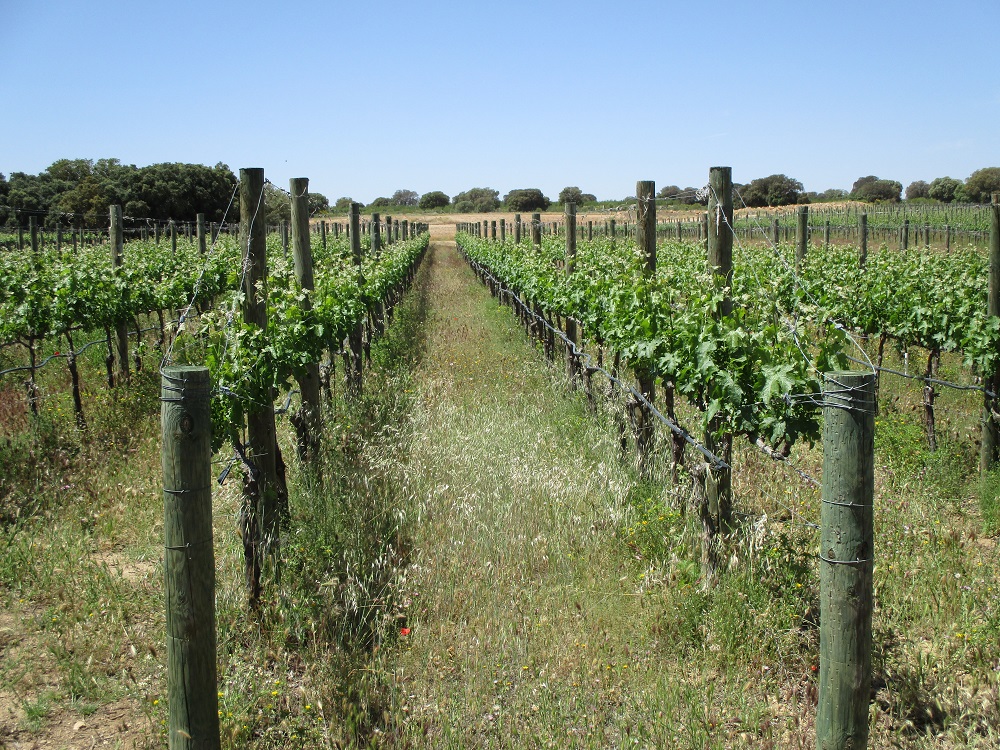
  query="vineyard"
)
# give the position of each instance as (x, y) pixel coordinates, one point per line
(397, 513)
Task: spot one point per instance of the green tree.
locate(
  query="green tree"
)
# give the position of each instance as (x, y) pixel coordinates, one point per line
(404, 198)
(917, 189)
(982, 184)
(433, 199)
(571, 195)
(380, 202)
(343, 204)
(774, 190)
(477, 200)
(945, 189)
(871, 189)
(317, 203)
(526, 199)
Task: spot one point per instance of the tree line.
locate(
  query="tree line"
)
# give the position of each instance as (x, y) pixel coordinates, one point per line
(78, 192)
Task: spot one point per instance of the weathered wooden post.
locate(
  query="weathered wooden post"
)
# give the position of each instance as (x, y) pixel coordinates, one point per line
(801, 237)
(927, 235)
(307, 420)
(991, 381)
(503, 230)
(718, 485)
(517, 229)
(262, 491)
(356, 337)
(846, 561)
(173, 236)
(536, 230)
(200, 233)
(863, 231)
(775, 233)
(947, 237)
(189, 559)
(826, 234)
(645, 193)
(572, 332)
(117, 248)
(906, 234)
(493, 230)
(376, 236)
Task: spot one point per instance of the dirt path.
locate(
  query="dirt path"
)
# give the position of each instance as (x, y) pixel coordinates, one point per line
(523, 605)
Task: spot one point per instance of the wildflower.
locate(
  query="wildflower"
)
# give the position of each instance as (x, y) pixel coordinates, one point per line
(404, 631)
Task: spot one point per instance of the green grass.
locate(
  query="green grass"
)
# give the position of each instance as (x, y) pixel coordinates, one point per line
(549, 596)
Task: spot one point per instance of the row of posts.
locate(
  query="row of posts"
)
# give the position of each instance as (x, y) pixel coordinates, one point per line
(846, 555)
(186, 425)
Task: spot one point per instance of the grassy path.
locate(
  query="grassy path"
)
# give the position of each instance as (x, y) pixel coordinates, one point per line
(528, 625)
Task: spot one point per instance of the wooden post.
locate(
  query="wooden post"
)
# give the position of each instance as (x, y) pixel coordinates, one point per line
(718, 489)
(536, 230)
(826, 234)
(801, 237)
(572, 333)
(614, 229)
(906, 234)
(261, 517)
(33, 234)
(387, 240)
(493, 230)
(173, 236)
(322, 234)
(846, 561)
(307, 420)
(990, 437)
(117, 247)
(200, 221)
(927, 235)
(947, 237)
(590, 231)
(503, 230)
(863, 231)
(354, 374)
(776, 232)
(517, 229)
(645, 193)
(189, 559)
(376, 236)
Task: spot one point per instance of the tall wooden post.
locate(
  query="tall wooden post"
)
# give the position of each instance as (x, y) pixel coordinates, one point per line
(990, 437)
(117, 248)
(775, 233)
(906, 234)
(261, 512)
(200, 231)
(503, 230)
(536, 230)
(307, 419)
(863, 231)
(493, 230)
(801, 237)
(846, 561)
(387, 239)
(572, 332)
(517, 229)
(719, 490)
(173, 236)
(645, 193)
(357, 334)
(376, 235)
(189, 559)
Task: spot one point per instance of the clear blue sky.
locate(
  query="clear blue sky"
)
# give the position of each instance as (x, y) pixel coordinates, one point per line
(366, 98)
